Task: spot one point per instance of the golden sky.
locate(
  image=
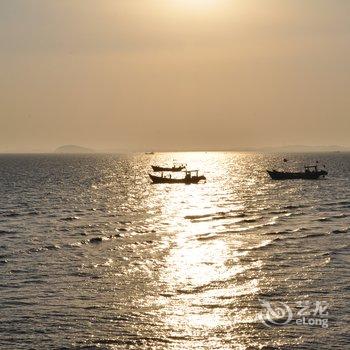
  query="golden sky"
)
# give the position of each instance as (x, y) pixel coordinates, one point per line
(173, 74)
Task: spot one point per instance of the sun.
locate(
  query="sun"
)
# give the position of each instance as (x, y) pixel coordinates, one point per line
(194, 9)
(195, 5)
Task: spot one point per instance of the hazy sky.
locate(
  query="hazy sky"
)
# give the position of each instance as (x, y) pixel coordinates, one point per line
(173, 74)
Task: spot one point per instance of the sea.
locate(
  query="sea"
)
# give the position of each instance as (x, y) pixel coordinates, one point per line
(94, 256)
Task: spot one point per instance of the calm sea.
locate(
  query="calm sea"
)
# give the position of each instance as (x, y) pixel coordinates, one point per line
(93, 256)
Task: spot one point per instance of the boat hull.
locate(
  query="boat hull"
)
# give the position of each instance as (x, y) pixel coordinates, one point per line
(173, 169)
(166, 180)
(312, 175)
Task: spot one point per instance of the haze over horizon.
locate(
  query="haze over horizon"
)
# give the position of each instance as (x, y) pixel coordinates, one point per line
(173, 74)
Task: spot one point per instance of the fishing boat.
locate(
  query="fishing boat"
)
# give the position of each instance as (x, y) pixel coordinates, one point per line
(191, 177)
(175, 167)
(310, 172)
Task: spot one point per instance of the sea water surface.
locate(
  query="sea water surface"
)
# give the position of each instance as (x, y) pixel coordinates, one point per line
(93, 256)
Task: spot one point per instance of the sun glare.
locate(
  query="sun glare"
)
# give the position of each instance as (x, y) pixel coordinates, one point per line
(196, 6)
(195, 3)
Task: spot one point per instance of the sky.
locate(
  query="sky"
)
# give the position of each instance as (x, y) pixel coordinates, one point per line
(173, 74)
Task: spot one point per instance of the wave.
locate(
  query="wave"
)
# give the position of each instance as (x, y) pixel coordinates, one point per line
(340, 250)
(276, 212)
(207, 236)
(284, 236)
(33, 213)
(7, 232)
(251, 228)
(250, 220)
(100, 239)
(214, 216)
(285, 232)
(70, 218)
(195, 217)
(344, 230)
(332, 217)
(11, 215)
(288, 207)
(311, 235)
(300, 229)
(334, 203)
(340, 216)
(263, 245)
(325, 219)
(53, 247)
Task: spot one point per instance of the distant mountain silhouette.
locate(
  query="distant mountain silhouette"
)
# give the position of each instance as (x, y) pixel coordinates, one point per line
(304, 148)
(73, 149)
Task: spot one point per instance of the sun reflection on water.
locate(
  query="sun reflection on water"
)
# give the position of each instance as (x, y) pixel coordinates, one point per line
(203, 276)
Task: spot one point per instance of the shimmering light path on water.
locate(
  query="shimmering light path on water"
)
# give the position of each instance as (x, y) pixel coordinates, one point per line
(94, 256)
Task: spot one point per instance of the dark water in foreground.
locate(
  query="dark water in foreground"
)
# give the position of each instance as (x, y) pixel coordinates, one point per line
(94, 256)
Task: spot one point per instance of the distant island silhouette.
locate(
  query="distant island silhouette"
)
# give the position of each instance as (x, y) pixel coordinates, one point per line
(73, 149)
(305, 148)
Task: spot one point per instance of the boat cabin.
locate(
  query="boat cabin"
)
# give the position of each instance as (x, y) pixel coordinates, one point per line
(311, 168)
(190, 174)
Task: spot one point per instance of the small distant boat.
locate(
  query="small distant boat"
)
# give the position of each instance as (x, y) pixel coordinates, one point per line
(149, 152)
(175, 167)
(310, 172)
(191, 177)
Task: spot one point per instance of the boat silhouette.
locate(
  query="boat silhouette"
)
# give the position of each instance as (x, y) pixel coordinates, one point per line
(191, 177)
(174, 168)
(310, 172)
